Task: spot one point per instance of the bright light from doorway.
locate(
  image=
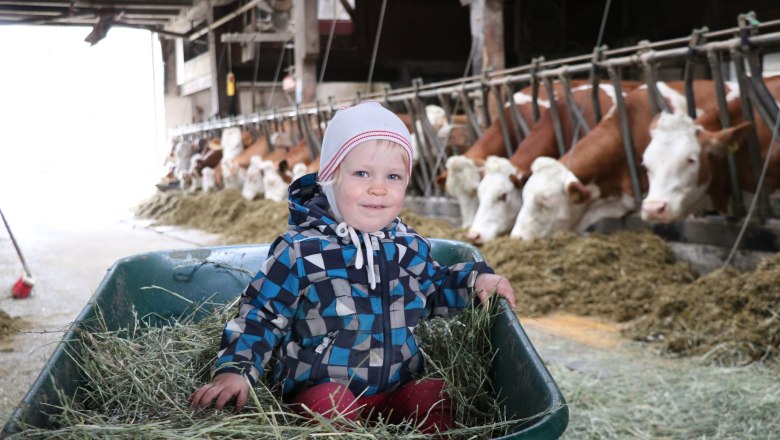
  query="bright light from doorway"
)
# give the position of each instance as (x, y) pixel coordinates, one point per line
(83, 134)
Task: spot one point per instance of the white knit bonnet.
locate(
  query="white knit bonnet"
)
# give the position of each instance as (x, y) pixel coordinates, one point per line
(350, 127)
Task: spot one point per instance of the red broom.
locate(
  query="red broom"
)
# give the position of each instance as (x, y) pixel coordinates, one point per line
(24, 284)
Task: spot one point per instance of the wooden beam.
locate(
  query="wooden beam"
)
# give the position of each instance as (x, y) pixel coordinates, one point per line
(487, 33)
(257, 37)
(307, 49)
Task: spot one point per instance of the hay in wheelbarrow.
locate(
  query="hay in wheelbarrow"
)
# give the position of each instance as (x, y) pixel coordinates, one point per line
(140, 378)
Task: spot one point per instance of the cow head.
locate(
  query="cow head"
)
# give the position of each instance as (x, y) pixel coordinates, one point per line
(499, 201)
(231, 142)
(678, 164)
(462, 181)
(275, 186)
(209, 180)
(553, 200)
(253, 184)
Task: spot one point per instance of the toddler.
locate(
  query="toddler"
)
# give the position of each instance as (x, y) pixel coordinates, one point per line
(342, 290)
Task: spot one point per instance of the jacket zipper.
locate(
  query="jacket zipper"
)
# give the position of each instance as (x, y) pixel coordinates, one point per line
(388, 343)
(316, 365)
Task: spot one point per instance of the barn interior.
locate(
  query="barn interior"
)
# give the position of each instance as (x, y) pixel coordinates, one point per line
(244, 63)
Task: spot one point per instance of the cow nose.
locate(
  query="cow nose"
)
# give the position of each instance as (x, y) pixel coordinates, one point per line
(474, 237)
(655, 209)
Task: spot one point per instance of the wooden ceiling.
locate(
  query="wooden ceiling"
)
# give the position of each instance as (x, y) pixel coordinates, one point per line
(153, 15)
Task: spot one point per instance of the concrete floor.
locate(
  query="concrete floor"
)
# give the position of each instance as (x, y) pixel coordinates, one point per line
(68, 256)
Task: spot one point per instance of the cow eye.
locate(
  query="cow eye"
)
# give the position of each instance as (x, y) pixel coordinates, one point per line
(502, 197)
(691, 160)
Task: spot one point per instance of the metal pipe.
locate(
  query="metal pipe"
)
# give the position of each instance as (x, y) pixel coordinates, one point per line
(557, 126)
(195, 35)
(754, 153)
(625, 130)
(737, 205)
(503, 122)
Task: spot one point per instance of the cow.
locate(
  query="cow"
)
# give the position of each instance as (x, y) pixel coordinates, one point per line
(500, 195)
(229, 174)
(192, 180)
(592, 180)
(686, 161)
(253, 184)
(457, 179)
(298, 170)
(208, 181)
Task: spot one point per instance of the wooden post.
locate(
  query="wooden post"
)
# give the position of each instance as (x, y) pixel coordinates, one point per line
(307, 49)
(218, 90)
(487, 33)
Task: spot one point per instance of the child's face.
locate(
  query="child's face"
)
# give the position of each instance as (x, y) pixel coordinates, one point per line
(371, 185)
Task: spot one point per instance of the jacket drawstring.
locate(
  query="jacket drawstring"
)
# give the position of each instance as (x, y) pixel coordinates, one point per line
(343, 230)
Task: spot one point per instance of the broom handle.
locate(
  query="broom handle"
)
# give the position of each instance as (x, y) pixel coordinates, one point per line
(18, 251)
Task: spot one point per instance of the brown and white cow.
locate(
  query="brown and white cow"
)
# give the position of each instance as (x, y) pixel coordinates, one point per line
(686, 161)
(500, 190)
(463, 172)
(592, 180)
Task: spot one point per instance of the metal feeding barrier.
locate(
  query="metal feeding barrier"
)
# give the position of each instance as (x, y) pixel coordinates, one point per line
(743, 46)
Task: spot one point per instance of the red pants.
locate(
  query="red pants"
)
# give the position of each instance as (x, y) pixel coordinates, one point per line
(414, 401)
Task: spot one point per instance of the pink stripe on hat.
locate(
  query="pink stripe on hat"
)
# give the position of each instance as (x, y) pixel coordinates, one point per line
(354, 125)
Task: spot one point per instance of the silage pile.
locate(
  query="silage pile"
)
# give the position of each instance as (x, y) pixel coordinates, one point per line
(628, 277)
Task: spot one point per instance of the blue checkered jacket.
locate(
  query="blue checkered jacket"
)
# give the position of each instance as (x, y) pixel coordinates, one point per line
(315, 313)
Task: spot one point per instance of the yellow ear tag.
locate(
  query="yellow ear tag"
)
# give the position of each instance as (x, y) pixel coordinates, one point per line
(733, 147)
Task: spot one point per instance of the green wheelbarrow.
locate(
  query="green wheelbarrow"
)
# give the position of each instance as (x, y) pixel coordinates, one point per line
(525, 387)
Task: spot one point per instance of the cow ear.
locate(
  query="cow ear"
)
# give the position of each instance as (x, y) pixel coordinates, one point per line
(283, 167)
(718, 143)
(577, 192)
(441, 179)
(519, 179)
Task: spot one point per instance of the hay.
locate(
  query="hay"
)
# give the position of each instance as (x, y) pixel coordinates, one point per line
(627, 277)
(8, 325)
(138, 380)
(725, 316)
(666, 400)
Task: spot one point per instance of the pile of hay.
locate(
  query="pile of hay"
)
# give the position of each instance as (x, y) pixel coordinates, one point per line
(628, 277)
(139, 380)
(7, 325)
(650, 397)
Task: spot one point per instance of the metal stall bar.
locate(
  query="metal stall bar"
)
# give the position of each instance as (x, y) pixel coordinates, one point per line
(595, 79)
(574, 109)
(628, 144)
(697, 39)
(756, 164)
(311, 138)
(486, 100)
(422, 160)
(444, 103)
(431, 138)
(765, 99)
(657, 101)
(737, 205)
(503, 122)
(474, 126)
(535, 87)
(519, 122)
(321, 121)
(557, 126)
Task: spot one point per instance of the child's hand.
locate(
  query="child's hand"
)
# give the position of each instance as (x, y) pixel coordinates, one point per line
(223, 388)
(487, 282)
